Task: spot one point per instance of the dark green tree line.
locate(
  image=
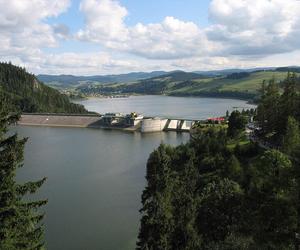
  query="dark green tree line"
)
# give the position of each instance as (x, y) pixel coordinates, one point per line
(207, 194)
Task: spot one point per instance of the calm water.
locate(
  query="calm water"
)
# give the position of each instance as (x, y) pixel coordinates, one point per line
(165, 106)
(95, 177)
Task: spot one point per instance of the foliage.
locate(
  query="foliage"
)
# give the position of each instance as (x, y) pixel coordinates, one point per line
(274, 109)
(236, 123)
(20, 219)
(218, 192)
(291, 139)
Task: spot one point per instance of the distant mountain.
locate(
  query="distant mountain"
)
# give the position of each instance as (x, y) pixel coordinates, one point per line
(75, 81)
(224, 72)
(71, 81)
(24, 92)
(295, 69)
(241, 84)
(178, 75)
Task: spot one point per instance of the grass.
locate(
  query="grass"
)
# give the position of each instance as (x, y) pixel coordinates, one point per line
(253, 82)
(250, 84)
(241, 140)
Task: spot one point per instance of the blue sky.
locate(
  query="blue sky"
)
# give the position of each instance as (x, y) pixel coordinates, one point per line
(118, 36)
(145, 12)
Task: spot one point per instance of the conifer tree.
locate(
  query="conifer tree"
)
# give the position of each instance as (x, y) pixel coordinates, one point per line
(268, 108)
(288, 102)
(291, 140)
(20, 220)
(157, 217)
(236, 123)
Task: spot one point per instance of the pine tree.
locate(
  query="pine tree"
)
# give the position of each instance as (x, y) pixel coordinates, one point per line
(291, 140)
(268, 108)
(236, 123)
(20, 220)
(185, 235)
(288, 102)
(157, 216)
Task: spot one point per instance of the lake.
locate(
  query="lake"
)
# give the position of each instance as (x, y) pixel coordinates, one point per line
(96, 177)
(166, 106)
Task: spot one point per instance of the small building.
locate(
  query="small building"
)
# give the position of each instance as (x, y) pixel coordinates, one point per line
(120, 120)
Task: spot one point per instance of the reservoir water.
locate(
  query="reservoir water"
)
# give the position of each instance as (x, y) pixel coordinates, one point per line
(166, 106)
(96, 177)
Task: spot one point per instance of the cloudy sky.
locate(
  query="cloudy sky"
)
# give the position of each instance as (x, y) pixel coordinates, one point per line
(85, 37)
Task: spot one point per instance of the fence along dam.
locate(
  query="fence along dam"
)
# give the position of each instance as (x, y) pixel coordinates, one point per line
(130, 122)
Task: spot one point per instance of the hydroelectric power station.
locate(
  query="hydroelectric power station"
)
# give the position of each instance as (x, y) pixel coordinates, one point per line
(130, 122)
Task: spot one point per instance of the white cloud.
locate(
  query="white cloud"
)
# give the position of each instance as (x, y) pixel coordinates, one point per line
(104, 21)
(77, 63)
(256, 27)
(241, 33)
(23, 31)
(238, 27)
(170, 39)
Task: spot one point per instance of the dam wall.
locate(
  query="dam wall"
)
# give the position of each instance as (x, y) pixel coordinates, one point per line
(153, 125)
(143, 124)
(60, 120)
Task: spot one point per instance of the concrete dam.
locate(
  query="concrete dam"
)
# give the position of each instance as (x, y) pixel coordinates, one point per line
(130, 122)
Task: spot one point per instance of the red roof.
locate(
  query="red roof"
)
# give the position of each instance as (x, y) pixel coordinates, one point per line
(219, 119)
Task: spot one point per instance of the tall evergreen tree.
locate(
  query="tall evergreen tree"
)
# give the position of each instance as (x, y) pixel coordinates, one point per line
(185, 235)
(20, 220)
(236, 123)
(288, 102)
(272, 200)
(157, 217)
(291, 140)
(268, 108)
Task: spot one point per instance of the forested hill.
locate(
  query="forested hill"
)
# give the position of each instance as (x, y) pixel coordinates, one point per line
(25, 93)
(242, 85)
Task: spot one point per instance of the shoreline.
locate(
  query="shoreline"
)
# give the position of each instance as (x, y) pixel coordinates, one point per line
(249, 101)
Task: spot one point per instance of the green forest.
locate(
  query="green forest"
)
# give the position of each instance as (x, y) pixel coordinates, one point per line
(25, 93)
(228, 190)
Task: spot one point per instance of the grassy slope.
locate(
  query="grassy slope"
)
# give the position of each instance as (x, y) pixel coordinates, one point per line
(250, 84)
(191, 84)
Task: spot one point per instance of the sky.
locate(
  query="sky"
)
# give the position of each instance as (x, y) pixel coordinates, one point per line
(89, 37)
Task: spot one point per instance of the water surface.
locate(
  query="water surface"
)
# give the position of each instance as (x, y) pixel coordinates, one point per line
(96, 177)
(166, 106)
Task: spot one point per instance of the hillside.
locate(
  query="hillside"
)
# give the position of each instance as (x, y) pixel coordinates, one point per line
(69, 81)
(242, 85)
(25, 93)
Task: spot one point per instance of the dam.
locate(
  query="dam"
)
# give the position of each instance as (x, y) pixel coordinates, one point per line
(131, 122)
